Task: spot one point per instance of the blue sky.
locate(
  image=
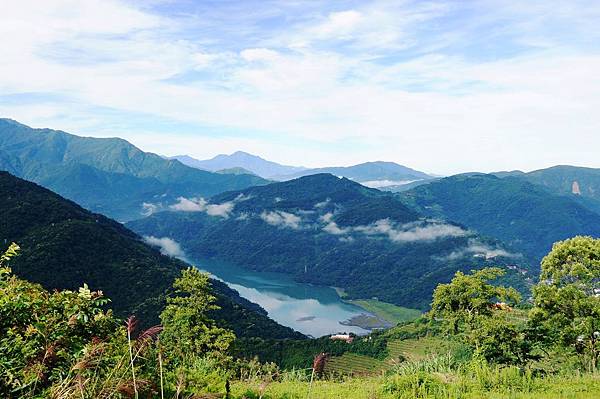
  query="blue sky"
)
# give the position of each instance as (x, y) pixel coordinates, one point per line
(442, 86)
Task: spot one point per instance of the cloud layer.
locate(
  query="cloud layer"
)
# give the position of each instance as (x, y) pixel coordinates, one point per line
(444, 86)
(410, 232)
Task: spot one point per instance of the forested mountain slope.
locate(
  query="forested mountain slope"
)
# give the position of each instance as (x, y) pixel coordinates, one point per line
(329, 231)
(106, 175)
(386, 173)
(65, 246)
(527, 217)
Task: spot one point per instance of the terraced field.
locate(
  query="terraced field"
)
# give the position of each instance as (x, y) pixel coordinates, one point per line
(409, 349)
(417, 349)
(353, 364)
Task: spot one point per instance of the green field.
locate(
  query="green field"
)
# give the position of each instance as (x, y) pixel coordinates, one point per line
(353, 364)
(418, 349)
(391, 313)
(426, 386)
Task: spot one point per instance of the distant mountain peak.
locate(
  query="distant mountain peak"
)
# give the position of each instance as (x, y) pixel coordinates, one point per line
(239, 159)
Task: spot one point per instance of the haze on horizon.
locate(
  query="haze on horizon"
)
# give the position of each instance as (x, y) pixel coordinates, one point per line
(440, 86)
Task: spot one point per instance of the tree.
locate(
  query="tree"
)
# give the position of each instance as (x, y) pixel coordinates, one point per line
(468, 296)
(467, 306)
(187, 328)
(566, 300)
(498, 339)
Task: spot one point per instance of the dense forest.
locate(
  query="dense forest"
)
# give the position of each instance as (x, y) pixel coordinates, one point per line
(511, 209)
(108, 175)
(64, 246)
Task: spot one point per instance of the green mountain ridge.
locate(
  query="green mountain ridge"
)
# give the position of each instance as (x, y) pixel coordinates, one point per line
(365, 172)
(526, 216)
(330, 231)
(107, 175)
(578, 183)
(64, 246)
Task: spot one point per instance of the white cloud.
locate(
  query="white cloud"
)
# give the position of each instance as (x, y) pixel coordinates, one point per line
(322, 204)
(167, 246)
(385, 183)
(331, 226)
(478, 249)
(189, 205)
(222, 210)
(281, 219)
(412, 232)
(149, 208)
(201, 205)
(380, 80)
(338, 25)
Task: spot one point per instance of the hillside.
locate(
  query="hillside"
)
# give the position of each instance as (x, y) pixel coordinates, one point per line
(328, 231)
(580, 184)
(372, 174)
(240, 159)
(525, 216)
(106, 175)
(65, 246)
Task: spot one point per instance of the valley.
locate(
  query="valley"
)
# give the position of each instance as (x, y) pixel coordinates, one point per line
(315, 263)
(310, 199)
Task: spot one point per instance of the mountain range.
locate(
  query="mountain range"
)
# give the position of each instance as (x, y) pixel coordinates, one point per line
(321, 228)
(240, 159)
(330, 231)
(106, 175)
(64, 246)
(373, 174)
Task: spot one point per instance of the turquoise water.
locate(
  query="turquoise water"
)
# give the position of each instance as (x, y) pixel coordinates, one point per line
(310, 309)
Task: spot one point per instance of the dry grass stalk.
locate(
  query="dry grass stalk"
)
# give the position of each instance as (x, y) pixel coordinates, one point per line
(131, 325)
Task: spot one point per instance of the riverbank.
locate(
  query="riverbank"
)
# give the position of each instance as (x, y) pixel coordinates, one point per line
(378, 314)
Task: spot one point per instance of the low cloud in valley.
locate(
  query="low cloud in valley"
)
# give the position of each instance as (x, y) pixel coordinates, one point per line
(166, 245)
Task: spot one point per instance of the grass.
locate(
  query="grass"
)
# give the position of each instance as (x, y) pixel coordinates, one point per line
(391, 313)
(487, 383)
(419, 348)
(353, 388)
(408, 350)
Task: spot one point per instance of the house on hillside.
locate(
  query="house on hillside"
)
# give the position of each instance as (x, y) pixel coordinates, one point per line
(342, 337)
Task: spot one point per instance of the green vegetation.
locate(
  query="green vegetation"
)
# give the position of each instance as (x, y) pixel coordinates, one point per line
(468, 387)
(510, 209)
(387, 311)
(474, 343)
(561, 179)
(354, 239)
(110, 176)
(64, 246)
(63, 344)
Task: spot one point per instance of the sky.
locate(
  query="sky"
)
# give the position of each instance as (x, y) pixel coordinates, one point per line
(440, 86)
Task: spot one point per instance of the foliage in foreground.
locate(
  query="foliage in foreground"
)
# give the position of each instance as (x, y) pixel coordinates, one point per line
(64, 344)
